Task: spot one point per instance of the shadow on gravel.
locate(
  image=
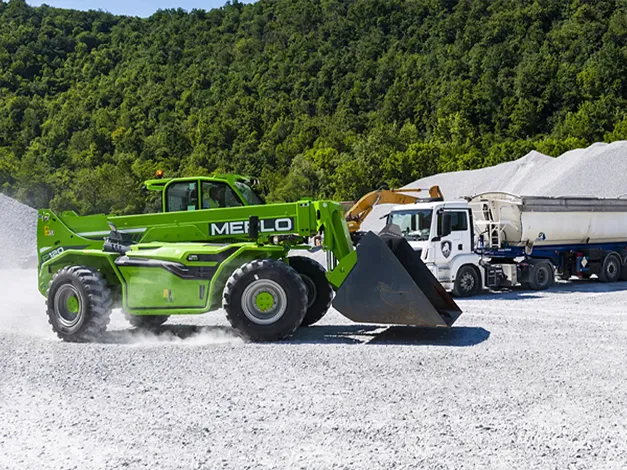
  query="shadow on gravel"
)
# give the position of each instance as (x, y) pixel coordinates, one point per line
(169, 333)
(332, 334)
(405, 335)
(562, 287)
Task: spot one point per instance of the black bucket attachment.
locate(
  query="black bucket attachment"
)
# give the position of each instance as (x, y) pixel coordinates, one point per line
(391, 285)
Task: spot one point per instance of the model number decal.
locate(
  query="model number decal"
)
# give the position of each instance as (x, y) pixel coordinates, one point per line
(59, 251)
(241, 227)
(52, 254)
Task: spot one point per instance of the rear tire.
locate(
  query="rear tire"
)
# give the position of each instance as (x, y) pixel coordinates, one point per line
(265, 300)
(467, 282)
(542, 276)
(146, 322)
(78, 304)
(611, 268)
(319, 292)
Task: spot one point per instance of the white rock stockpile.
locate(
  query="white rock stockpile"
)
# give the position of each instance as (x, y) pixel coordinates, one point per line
(598, 170)
(18, 232)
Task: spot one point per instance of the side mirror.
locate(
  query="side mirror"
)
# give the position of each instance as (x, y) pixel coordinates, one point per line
(445, 225)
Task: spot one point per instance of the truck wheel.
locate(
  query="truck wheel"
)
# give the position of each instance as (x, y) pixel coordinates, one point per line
(146, 322)
(265, 300)
(611, 269)
(319, 292)
(78, 304)
(467, 282)
(542, 276)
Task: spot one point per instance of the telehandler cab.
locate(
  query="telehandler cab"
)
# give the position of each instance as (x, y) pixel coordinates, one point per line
(216, 244)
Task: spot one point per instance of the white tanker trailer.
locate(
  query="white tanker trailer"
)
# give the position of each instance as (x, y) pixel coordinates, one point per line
(501, 240)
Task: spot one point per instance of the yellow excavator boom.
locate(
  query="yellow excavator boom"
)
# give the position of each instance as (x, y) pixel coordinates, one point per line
(360, 210)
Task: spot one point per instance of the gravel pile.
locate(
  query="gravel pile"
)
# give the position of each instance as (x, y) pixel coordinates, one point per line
(18, 232)
(598, 170)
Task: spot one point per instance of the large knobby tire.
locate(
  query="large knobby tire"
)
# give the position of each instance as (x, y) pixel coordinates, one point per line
(78, 304)
(467, 282)
(319, 292)
(146, 322)
(611, 268)
(265, 300)
(541, 276)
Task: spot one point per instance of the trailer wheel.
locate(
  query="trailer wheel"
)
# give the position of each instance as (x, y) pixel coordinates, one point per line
(78, 304)
(542, 276)
(319, 292)
(265, 300)
(467, 282)
(611, 268)
(146, 322)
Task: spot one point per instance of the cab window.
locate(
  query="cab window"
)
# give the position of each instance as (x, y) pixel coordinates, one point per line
(182, 196)
(251, 197)
(217, 195)
(459, 221)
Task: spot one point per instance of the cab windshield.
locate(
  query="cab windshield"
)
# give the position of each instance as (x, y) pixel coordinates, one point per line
(415, 224)
(251, 197)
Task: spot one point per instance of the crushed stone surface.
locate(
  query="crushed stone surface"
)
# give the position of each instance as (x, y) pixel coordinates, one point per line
(523, 380)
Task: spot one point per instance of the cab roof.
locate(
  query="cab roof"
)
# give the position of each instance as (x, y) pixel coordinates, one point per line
(159, 184)
(432, 205)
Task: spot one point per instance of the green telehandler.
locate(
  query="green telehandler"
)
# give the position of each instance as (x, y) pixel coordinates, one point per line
(216, 244)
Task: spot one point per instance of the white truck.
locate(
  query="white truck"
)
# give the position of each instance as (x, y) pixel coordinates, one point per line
(496, 240)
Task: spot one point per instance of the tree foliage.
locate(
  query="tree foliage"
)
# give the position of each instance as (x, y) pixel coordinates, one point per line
(326, 98)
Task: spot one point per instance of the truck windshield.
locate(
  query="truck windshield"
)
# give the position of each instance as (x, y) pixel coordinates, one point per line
(251, 197)
(415, 224)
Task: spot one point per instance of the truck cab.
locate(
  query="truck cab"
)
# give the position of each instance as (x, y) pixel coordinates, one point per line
(443, 233)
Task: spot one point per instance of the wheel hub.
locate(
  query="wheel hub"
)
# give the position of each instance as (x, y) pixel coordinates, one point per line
(67, 305)
(467, 282)
(542, 276)
(611, 268)
(264, 301)
(73, 305)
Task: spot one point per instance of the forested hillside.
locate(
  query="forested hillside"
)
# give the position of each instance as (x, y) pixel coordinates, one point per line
(315, 97)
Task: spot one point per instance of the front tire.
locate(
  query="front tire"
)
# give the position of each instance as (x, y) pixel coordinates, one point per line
(319, 292)
(467, 282)
(78, 304)
(265, 300)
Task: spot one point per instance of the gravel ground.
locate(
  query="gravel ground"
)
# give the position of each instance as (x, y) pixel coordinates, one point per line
(523, 380)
